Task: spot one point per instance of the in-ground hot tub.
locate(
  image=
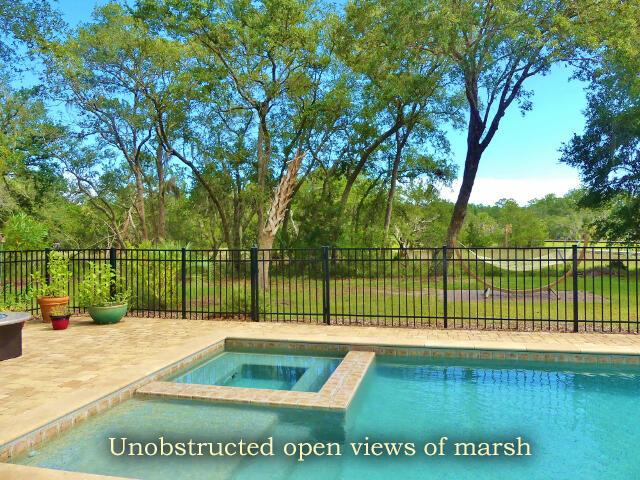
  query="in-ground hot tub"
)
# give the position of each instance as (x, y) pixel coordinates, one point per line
(11, 324)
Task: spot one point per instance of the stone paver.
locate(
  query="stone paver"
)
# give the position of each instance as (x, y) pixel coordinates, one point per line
(61, 372)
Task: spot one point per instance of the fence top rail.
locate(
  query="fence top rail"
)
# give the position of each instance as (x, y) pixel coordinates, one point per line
(634, 250)
(606, 242)
(22, 251)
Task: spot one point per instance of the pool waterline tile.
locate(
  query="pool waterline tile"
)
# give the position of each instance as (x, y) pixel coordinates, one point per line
(336, 394)
(20, 472)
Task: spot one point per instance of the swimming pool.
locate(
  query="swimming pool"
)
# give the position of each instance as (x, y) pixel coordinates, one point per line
(579, 420)
(274, 371)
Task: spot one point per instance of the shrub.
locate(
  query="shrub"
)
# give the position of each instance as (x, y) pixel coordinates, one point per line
(24, 233)
(238, 301)
(13, 302)
(101, 286)
(59, 276)
(157, 275)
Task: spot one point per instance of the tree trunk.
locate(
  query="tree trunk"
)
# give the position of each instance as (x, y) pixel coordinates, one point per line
(400, 142)
(236, 227)
(161, 230)
(275, 218)
(476, 145)
(264, 158)
(238, 210)
(140, 202)
(265, 244)
(474, 153)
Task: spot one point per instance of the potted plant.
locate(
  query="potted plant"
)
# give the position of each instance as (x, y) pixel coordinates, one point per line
(60, 317)
(104, 294)
(53, 292)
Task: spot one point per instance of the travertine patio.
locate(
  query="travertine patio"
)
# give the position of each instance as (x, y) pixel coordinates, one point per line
(61, 372)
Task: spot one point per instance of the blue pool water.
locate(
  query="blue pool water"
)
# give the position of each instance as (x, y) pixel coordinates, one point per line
(581, 423)
(303, 373)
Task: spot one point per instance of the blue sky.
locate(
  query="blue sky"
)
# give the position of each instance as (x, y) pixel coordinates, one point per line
(522, 161)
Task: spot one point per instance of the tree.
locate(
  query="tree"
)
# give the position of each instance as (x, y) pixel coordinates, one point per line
(22, 23)
(265, 59)
(422, 217)
(185, 127)
(493, 48)
(99, 181)
(563, 216)
(30, 145)
(401, 98)
(520, 226)
(101, 71)
(481, 229)
(608, 151)
(30, 141)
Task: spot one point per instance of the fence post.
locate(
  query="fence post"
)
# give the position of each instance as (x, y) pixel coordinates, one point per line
(47, 275)
(574, 256)
(445, 281)
(183, 279)
(112, 264)
(254, 285)
(326, 308)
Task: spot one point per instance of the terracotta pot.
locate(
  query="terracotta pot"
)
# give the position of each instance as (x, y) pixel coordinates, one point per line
(47, 303)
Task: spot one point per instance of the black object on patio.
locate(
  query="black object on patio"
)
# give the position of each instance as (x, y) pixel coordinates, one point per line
(11, 324)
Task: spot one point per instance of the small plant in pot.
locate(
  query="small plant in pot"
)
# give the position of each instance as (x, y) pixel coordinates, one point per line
(60, 316)
(52, 291)
(104, 294)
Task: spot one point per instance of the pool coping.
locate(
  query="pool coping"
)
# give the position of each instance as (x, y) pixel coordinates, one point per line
(506, 352)
(335, 395)
(439, 348)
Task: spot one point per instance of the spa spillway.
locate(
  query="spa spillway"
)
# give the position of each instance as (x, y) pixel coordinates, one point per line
(11, 324)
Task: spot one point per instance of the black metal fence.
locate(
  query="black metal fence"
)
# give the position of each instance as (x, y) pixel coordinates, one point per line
(563, 288)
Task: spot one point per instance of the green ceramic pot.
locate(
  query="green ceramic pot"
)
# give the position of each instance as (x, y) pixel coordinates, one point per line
(108, 314)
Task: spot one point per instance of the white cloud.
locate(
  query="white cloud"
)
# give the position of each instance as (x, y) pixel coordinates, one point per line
(488, 191)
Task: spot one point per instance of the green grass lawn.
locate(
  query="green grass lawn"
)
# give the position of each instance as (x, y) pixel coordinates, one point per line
(606, 302)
